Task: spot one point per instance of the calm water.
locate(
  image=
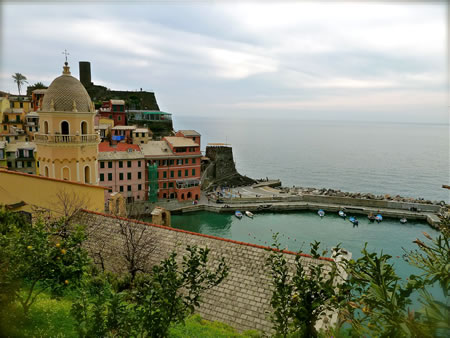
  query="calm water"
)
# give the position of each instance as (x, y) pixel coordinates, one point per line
(382, 158)
(298, 229)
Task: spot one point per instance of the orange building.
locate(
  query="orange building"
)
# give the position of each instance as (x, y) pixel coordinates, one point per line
(178, 162)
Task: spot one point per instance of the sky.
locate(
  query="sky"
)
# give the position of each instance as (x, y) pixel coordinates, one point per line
(363, 61)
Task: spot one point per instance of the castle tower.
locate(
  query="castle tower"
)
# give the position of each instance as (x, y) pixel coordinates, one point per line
(67, 145)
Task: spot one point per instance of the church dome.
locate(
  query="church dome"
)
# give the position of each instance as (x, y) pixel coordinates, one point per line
(66, 93)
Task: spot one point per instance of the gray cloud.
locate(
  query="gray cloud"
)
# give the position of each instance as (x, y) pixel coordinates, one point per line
(245, 59)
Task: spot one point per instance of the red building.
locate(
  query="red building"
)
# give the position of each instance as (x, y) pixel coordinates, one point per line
(178, 161)
(115, 110)
(192, 134)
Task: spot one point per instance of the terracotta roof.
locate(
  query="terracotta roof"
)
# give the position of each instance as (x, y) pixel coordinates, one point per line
(181, 141)
(189, 132)
(120, 155)
(105, 146)
(156, 148)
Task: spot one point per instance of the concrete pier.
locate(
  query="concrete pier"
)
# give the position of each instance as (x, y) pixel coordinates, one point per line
(276, 206)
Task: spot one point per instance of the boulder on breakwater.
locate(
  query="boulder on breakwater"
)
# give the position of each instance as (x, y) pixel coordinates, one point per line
(369, 196)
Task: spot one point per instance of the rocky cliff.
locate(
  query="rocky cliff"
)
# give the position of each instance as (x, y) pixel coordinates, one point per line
(221, 170)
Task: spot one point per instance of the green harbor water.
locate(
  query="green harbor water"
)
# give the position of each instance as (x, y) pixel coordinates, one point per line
(298, 229)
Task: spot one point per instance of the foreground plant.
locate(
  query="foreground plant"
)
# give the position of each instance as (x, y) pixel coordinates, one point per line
(305, 295)
(166, 296)
(34, 260)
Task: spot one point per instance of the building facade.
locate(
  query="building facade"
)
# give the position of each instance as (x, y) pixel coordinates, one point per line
(178, 164)
(115, 110)
(20, 156)
(122, 169)
(67, 145)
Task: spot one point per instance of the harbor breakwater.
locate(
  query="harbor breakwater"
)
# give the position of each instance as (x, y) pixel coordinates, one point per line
(393, 209)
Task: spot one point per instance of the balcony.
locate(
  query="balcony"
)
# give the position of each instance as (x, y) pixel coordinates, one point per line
(189, 183)
(65, 139)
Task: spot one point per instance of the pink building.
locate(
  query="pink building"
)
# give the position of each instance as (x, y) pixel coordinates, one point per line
(121, 169)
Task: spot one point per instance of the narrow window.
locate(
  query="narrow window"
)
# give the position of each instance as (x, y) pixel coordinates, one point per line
(102, 177)
(121, 176)
(129, 176)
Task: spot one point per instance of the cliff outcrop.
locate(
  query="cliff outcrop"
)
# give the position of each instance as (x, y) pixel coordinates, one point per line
(221, 169)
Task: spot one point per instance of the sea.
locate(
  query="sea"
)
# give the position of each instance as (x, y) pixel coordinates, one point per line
(406, 159)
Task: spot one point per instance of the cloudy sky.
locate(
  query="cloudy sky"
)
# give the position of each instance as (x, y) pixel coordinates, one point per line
(328, 60)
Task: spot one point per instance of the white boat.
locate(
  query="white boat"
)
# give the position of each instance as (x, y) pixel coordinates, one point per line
(249, 214)
(321, 213)
(238, 214)
(403, 220)
(342, 214)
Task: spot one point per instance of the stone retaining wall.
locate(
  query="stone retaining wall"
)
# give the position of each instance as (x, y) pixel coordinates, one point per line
(242, 300)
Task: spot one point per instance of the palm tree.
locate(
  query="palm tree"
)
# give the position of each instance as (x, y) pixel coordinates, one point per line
(20, 80)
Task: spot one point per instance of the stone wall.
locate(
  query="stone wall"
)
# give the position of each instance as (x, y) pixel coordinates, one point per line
(242, 300)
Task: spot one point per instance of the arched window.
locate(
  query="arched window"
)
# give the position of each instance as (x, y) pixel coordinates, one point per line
(189, 195)
(182, 196)
(66, 174)
(45, 127)
(87, 174)
(65, 128)
(84, 128)
(46, 171)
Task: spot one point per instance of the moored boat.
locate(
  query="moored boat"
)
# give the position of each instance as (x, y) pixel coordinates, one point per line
(238, 214)
(342, 214)
(321, 213)
(403, 220)
(378, 218)
(249, 214)
(353, 220)
(371, 217)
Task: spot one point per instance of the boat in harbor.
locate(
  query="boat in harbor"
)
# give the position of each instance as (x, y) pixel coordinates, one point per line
(403, 220)
(379, 218)
(342, 214)
(353, 220)
(321, 213)
(249, 214)
(238, 214)
(371, 217)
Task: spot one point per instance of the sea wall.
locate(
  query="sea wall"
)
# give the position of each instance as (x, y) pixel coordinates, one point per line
(242, 300)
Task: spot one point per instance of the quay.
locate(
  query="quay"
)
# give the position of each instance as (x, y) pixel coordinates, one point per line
(431, 218)
(264, 198)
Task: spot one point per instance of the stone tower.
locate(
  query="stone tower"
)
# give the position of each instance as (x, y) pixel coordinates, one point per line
(67, 145)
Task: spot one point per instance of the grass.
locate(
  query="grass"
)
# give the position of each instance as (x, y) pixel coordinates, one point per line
(50, 317)
(47, 318)
(195, 326)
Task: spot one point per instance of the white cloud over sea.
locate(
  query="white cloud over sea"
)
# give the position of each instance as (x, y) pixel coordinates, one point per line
(326, 60)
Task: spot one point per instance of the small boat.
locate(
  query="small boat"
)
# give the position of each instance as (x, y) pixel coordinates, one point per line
(371, 217)
(403, 220)
(249, 214)
(378, 218)
(321, 213)
(353, 220)
(238, 214)
(342, 214)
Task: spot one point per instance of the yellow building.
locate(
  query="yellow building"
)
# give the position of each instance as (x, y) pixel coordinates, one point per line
(67, 145)
(32, 193)
(21, 102)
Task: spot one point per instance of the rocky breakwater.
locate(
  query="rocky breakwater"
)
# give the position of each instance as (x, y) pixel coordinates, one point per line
(221, 169)
(360, 195)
